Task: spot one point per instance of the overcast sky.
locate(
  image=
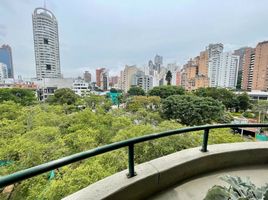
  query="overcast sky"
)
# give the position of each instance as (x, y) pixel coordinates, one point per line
(112, 33)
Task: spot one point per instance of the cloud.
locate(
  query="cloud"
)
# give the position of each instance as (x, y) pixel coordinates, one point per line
(3, 30)
(117, 32)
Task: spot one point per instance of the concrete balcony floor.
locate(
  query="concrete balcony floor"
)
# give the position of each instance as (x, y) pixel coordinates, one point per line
(196, 189)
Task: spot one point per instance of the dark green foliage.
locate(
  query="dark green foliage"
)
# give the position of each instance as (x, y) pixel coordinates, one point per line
(113, 90)
(168, 77)
(192, 110)
(243, 101)
(63, 96)
(166, 91)
(227, 97)
(22, 96)
(136, 91)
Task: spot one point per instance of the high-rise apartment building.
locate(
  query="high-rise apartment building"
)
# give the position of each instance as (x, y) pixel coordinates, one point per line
(3, 71)
(241, 53)
(158, 62)
(151, 65)
(143, 81)
(6, 58)
(127, 76)
(46, 44)
(178, 78)
(98, 76)
(189, 73)
(228, 71)
(214, 52)
(223, 67)
(87, 77)
(214, 49)
(102, 78)
(113, 80)
(203, 63)
(201, 81)
(247, 68)
(195, 73)
(260, 70)
(105, 80)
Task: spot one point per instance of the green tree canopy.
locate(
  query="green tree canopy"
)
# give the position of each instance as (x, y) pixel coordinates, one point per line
(136, 91)
(227, 97)
(137, 102)
(63, 96)
(192, 110)
(113, 90)
(98, 102)
(166, 91)
(21, 96)
(32, 135)
(243, 101)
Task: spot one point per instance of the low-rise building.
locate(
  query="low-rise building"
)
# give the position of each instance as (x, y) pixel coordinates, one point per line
(47, 86)
(81, 87)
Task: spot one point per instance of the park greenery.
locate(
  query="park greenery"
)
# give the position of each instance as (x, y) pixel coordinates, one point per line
(193, 110)
(166, 91)
(32, 132)
(136, 91)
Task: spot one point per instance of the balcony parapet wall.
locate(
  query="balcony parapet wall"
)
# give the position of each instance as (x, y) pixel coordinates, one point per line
(161, 173)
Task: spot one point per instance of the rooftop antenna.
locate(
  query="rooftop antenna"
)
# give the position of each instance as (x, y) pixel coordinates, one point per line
(45, 4)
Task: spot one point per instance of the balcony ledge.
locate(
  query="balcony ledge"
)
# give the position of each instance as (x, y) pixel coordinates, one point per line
(169, 173)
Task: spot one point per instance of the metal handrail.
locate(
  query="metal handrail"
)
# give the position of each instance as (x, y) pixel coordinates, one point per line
(34, 171)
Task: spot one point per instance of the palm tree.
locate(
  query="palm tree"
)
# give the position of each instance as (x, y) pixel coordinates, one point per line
(168, 77)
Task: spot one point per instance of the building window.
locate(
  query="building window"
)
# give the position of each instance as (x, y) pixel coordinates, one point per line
(48, 67)
(45, 41)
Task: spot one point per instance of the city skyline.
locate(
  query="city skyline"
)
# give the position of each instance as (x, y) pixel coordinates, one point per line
(98, 42)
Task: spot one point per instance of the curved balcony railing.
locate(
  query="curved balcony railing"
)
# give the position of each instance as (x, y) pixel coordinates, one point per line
(34, 171)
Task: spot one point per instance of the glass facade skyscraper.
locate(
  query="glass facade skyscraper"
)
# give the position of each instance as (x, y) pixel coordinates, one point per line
(6, 58)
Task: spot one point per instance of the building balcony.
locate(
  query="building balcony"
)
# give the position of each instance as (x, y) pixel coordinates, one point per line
(187, 174)
(183, 175)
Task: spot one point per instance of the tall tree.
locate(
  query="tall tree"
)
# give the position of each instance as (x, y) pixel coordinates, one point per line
(136, 91)
(135, 103)
(227, 97)
(63, 96)
(243, 101)
(98, 102)
(166, 91)
(192, 110)
(168, 77)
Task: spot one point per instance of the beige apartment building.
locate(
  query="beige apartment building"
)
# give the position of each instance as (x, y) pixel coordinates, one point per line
(195, 72)
(203, 63)
(126, 77)
(201, 81)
